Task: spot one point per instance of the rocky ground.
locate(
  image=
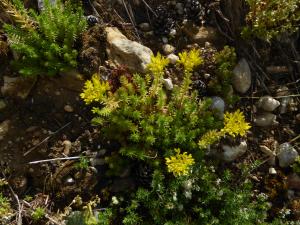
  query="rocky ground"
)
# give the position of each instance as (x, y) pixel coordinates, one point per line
(44, 118)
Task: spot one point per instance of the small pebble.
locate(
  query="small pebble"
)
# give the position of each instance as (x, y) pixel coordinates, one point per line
(164, 40)
(168, 49)
(67, 146)
(272, 171)
(173, 58)
(145, 26)
(68, 108)
(168, 84)
(287, 154)
(173, 32)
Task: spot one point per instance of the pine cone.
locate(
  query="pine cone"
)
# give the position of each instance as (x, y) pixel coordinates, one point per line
(193, 10)
(200, 86)
(92, 20)
(163, 21)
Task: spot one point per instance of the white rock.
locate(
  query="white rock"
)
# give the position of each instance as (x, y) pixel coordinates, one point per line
(268, 103)
(241, 79)
(168, 49)
(123, 51)
(233, 152)
(272, 171)
(168, 84)
(287, 155)
(265, 119)
(173, 32)
(173, 58)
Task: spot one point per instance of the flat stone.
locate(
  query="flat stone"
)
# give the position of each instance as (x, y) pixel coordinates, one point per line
(17, 87)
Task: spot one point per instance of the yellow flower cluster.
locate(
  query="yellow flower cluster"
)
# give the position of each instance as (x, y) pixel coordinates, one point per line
(235, 124)
(190, 59)
(180, 163)
(158, 64)
(94, 90)
(209, 138)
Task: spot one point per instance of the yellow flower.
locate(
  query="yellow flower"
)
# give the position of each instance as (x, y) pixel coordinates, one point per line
(209, 138)
(158, 64)
(190, 59)
(180, 163)
(235, 124)
(94, 90)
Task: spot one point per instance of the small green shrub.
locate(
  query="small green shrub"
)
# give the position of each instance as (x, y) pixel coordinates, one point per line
(5, 207)
(270, 19)
(45, 42)
(83, 163)
(225, 61)
(161, 129)
(296, 165)
(147, 120)
(38, 213)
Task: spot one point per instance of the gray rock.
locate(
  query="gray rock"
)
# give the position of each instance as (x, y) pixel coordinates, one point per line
(265, 119)
(218, 104)
(241, 79)
(173, 58)
(17, 87)
(268, 103)
(122, 51)
(233, 152)
(4, 127)
(287, 155)
(168, 49)
(164, 40)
